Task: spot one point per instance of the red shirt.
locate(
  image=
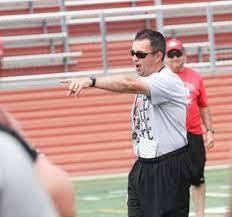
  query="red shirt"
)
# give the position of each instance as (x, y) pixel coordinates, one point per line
(196, 98)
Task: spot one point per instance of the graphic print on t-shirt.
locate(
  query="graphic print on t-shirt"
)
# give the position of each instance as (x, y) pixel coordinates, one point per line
(142, 128)
(190, 88)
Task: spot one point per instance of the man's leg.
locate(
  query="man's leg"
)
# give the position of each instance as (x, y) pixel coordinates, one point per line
(198, 157)
(133, 202)
(198, 197)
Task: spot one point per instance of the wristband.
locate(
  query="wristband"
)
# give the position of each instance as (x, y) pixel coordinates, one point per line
(210, 129)
(93, 79)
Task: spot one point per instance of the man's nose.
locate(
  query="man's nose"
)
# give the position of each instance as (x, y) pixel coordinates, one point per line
(135, 58)
(175, 58)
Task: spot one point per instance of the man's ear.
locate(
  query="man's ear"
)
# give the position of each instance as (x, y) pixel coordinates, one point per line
(159, 56)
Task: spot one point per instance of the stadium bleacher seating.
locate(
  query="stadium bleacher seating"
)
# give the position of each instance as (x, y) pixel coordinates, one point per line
(91, 135)
(35, 41)
(13, 7)
(121, 24)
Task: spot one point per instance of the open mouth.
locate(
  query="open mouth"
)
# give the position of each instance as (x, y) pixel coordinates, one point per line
(137, 66)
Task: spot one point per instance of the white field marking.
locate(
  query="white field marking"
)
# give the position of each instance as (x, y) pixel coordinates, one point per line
(91, 198)
(211, 194)
(221, 187)
(94, 198)
(118, 192)
(119, 211)
(110, 195)
(216, 210)
(225, 187)
(217, 167)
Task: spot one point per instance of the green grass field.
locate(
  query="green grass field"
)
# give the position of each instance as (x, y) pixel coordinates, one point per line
(106, 197)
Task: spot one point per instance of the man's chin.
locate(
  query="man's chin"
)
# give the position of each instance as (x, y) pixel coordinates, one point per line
(176, 69)
(139, 72)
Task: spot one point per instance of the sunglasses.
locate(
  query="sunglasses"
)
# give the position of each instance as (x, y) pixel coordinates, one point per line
(140, 54)
(172, 53)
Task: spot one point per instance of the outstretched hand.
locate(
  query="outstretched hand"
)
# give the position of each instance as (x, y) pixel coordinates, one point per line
(75, 85)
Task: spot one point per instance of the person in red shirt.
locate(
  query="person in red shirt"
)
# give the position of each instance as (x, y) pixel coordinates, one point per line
(198, 110)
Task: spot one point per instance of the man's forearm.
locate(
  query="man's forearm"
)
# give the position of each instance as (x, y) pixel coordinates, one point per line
(121, 84)
(115, 83)
(206, 117)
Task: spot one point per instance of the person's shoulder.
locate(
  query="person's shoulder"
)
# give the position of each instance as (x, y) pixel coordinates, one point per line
(166, 72)
(6, 138)
(165, 75)
(10, 147)
(171, 79)
(192, 72)
(171, 75)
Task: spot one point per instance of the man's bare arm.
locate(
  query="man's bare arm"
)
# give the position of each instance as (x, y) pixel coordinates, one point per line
(114, 83)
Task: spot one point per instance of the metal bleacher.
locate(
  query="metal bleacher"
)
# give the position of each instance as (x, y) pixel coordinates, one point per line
(26, 4)
(41, 38)
(35, 39)
(37, 60)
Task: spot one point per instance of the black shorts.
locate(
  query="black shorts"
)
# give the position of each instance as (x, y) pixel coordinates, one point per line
(159, 187)
(198, 157)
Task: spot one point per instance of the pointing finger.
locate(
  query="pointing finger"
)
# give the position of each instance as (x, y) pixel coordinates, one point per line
(70, 92)
(65, 81)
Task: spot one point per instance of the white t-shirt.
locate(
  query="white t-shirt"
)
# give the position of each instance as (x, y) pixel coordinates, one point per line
(159, 121)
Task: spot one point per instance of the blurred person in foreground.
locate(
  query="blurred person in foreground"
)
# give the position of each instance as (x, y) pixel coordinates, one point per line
(198, 109)
(159, 181)
(21, 192)
(54, 179)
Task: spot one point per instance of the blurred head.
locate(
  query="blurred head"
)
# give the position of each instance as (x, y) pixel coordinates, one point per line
(175, 55)
(148, 51)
